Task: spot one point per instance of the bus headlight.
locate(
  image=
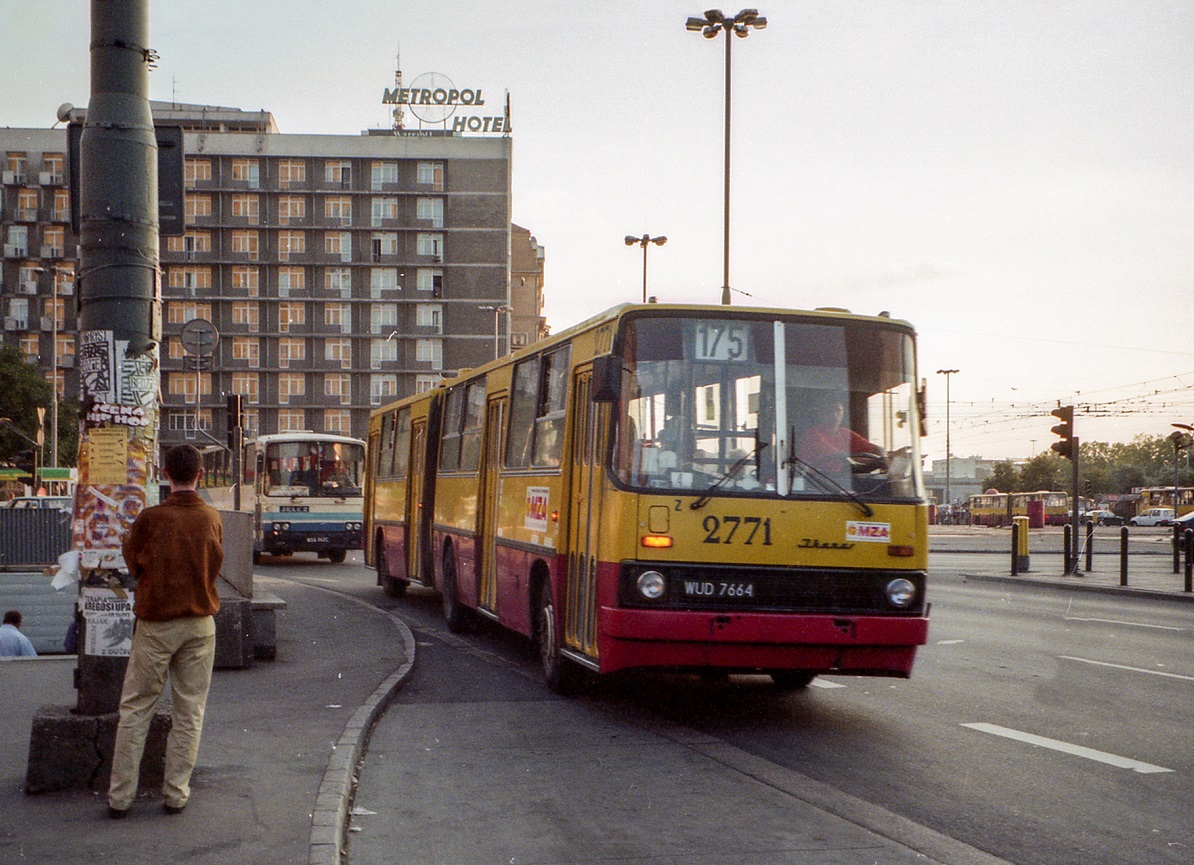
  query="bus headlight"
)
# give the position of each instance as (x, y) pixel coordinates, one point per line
(651, 585)
(352, 527)
(901, 593)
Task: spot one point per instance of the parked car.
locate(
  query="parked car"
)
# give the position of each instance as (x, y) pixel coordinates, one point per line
(1103, 518)
(63, 503)
(1185, 521)
(1153, 517)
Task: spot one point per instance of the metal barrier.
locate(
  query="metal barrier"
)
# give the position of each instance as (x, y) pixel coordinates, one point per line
(33, 537)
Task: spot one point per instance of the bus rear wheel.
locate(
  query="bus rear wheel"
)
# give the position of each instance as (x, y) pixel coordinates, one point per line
(455, 613)
(561, 675)
(392, 587)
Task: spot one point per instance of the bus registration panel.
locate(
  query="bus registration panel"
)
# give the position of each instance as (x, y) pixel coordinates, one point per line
(718, 588)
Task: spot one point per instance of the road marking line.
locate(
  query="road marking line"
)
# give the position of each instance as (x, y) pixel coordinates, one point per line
(1068, 748)
(1118, 622)
(1130, 669)
(949, 642)
(825, 683)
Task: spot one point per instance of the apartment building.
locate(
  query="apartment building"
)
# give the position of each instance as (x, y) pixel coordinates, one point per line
(339, 271)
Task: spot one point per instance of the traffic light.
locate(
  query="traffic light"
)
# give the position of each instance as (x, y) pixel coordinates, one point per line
(235, 418)
(1065, 429)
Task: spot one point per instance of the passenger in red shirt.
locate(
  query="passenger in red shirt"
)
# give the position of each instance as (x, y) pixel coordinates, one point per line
(827, 445)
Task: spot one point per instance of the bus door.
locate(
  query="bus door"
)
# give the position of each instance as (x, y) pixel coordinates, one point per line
(487, 519)
(580, 600)
(414, 518)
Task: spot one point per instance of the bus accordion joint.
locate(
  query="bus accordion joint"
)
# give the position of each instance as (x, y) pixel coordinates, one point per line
(658, 542)
(901, 551)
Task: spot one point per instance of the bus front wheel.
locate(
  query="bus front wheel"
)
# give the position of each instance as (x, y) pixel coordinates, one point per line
(336, 557)
(561, 676)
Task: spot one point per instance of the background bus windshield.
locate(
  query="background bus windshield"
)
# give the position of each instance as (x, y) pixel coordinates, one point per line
(314, 468)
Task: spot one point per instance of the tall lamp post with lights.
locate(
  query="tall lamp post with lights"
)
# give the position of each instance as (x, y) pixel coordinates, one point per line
(644, 241)
(948, 500)
(713, 23)
(497, 330)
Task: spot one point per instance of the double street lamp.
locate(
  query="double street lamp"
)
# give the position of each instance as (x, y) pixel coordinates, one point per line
(643, 241)
(713, 23)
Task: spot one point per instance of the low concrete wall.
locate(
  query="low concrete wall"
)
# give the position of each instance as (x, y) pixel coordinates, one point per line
(238, 550)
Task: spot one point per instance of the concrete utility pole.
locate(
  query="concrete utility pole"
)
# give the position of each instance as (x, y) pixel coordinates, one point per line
(119, 332)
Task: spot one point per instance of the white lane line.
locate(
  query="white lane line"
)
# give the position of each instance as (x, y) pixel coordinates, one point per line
(1129, 669)
(1068, 748)
(1128, 624)
(825, 683)
(949, 642)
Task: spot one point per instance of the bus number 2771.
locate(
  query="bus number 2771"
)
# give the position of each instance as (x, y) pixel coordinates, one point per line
(737, 530)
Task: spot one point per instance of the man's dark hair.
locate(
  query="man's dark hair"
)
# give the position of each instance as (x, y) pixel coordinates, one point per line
(13, 617)
(182, 464)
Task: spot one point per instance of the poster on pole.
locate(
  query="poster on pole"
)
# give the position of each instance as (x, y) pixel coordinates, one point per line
(108, 614)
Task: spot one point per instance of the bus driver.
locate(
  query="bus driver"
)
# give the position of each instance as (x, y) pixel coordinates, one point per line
(827, 445)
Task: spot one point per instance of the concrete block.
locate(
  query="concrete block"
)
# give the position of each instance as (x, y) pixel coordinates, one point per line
(74, 752)
(234, 635)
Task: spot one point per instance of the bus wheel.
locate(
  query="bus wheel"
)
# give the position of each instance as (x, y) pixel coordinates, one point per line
(256, 557)
(392, 587)
(561, 676)
(455, 613)
(791, 680)
(336, 557)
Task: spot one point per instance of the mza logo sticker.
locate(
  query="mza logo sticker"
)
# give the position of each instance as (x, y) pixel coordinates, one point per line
(878, 533)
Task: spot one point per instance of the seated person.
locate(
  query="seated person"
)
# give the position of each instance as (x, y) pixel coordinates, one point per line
(827, 445)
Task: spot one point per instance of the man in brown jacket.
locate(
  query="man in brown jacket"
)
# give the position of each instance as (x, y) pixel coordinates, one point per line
(174, 550)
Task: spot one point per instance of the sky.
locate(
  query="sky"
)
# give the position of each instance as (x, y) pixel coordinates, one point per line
(1013, 177)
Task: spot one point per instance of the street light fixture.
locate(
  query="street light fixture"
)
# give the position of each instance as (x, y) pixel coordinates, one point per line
(497, 312)
(713, 23)
(643, 241)
(947, 373)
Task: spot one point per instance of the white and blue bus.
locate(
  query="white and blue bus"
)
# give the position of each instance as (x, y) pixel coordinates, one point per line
(304, 490)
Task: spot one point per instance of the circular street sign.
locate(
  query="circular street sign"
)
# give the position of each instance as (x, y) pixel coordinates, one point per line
(199, 336)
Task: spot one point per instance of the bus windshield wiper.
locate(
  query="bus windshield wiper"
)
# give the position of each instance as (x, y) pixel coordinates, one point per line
(734, 469)
(826, 483)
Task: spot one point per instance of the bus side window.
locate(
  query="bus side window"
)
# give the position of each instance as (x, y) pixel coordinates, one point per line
(524, 401)
(553, 399)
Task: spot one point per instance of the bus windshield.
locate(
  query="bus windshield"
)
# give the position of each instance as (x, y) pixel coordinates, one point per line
(711, 405)
(314, 468)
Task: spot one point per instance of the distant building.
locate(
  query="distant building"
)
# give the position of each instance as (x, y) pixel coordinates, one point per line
(966, 476)
(340, 271)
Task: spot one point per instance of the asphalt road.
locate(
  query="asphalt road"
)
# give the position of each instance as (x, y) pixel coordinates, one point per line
(1043, 727)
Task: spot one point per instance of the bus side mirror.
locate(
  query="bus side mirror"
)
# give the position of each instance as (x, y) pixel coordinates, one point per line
(607, 378)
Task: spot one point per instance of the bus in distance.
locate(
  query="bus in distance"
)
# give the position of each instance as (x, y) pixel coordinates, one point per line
(667, 487)
(304, 490)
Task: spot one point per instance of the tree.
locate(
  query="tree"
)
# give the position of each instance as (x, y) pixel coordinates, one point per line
(22, 391)
(1046, 471)
(1004, 478)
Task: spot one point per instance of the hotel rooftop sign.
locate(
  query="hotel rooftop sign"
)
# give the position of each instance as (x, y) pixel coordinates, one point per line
(435, 100)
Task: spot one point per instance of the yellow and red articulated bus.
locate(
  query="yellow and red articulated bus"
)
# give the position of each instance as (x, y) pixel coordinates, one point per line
(679, 488)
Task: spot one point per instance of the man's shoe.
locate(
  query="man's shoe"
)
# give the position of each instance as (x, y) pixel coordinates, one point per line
(172, 809)
(117, 813)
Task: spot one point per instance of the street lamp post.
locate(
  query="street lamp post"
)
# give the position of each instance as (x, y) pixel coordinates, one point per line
(947, 373)
(53, 271)
(497, 312)
(713, 23)
(643, 241)
(1180, 440)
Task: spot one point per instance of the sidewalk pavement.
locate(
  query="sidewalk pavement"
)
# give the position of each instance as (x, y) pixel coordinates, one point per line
(283, 740)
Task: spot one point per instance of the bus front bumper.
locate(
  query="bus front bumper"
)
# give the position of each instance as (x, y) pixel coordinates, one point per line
(743, 642)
